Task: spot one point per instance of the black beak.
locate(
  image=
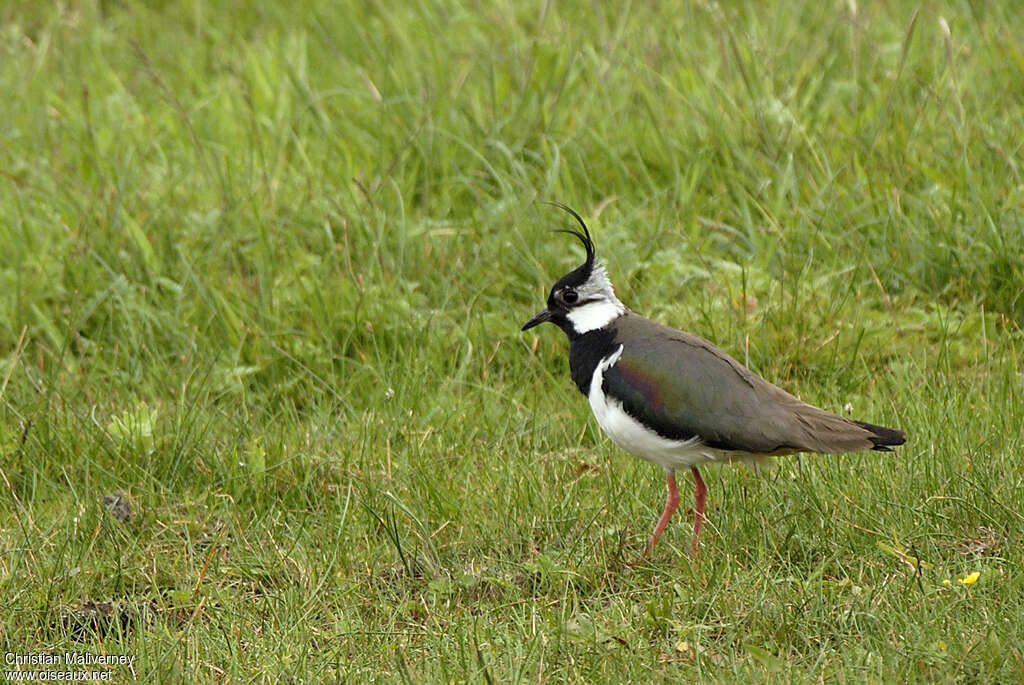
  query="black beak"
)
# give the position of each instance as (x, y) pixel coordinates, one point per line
(541, 317)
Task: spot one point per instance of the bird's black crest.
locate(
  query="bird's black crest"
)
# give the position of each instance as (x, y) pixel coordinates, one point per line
(580, 274)
(584, 237)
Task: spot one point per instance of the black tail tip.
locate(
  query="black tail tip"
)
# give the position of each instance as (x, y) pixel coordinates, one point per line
(883, 439)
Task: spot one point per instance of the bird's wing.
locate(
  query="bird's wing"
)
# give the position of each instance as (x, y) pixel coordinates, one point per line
(684, 386)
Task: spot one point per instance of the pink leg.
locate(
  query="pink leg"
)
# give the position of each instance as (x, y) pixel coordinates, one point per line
(700, 492)
(671, 502)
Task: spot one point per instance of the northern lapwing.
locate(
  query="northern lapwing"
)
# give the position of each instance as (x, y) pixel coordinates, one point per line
(677, 400)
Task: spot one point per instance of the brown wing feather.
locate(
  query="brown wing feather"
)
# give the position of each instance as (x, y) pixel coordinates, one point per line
(683, 385)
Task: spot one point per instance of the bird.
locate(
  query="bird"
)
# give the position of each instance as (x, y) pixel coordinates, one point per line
(677, 400)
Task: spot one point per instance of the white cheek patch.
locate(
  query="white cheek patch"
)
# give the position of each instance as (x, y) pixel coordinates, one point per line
(594, 315)
(601, 306)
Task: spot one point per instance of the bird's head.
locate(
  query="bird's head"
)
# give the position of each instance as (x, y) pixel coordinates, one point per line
(583, 299)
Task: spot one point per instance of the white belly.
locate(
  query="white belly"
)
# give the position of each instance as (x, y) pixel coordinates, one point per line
(635, 438)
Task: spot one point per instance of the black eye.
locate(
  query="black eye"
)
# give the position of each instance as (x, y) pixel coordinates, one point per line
(569, 296)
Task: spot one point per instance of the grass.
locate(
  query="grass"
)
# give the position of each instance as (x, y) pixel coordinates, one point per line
(262, 277)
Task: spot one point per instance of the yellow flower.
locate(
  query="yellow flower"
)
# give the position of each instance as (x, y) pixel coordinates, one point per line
(970, 578)
(946, 582)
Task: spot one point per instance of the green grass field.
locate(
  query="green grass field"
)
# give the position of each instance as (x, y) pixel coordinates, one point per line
(262, 273)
